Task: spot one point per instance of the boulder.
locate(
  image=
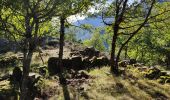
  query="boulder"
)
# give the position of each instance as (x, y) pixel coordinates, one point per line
(16, 77)
(153, 73)
(53, 65)
(7, 61)
(34, 86)
(76, 63)
(100, 61)
(67, 63)
(86, 62)
(90, 52)
(53, 43)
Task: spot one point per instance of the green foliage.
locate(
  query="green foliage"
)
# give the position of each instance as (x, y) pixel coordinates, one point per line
(96, 41)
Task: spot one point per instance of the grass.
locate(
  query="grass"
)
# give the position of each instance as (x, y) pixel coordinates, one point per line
(132, 86)
(104, 86)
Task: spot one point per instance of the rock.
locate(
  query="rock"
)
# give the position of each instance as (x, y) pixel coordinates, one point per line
(77, 63)
(138, 65)
(132, 61)
(66, 63)
(104, 60)
(144, 68)
(90, 52)
(53, 65)
(123, 63)
(163, 73)
(34, 84)
(7, 61)
(153, 73)
(83, 74)
(53, 43)
(86, 62)
(164, 79)
(100, 61)
(16, 76)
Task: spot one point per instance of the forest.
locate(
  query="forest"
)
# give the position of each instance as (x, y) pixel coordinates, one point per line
(84, 49)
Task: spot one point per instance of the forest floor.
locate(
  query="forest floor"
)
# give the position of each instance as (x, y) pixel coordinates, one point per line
(100, 84)
(104, 86)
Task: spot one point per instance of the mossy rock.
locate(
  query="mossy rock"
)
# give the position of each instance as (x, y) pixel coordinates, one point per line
(153, 73)
(7, 61)
(164, 79)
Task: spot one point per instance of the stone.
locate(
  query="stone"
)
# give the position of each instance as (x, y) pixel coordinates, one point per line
(53, 43)
(90, 52)
(123, 63)
(86, 62)
(100, 61)
(77, 63)
(153, 73)
(53, 65)
(17, 75)
(143, 69)
(67, 63)
(132, 61)
(83, 74)
(7, 61)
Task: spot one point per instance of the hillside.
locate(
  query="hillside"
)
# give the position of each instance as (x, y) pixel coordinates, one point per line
(101, 85)
(135, 82)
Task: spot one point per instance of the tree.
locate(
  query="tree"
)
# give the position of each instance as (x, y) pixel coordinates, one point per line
(67, 9)
(125, 17)
(150, 46)
(24, 19)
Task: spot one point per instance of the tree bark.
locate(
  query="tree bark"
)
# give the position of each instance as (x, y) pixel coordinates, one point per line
(26, 68)
(62, 33)
(113, 60)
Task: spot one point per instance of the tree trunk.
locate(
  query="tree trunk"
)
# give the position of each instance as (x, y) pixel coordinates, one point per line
(62, 33)
(29, 46)
(26, 69)
(113, 60)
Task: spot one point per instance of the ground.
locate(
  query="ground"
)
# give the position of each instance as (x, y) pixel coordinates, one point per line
(101, 85)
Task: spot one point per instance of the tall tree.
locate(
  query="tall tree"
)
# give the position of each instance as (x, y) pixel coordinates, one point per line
(125, 17)
(67, 9)
(24, 19)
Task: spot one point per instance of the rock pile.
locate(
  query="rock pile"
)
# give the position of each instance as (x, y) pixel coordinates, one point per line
(79, 60)
(87, 52)
(155, 73)
(124, 63)
(7, 61)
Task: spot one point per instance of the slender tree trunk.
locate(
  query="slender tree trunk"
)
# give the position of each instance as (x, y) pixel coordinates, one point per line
(62, 33)
(26, 69)
(113, 60)
(29, 47)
